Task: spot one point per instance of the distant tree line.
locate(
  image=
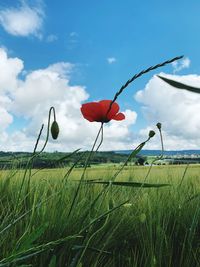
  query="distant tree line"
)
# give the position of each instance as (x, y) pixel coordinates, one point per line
(10, 160)
(56, 159)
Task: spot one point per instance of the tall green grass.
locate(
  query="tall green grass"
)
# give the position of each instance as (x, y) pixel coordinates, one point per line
(157, 227)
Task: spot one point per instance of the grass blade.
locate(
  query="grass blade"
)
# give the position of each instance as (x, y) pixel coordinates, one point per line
(129, 184)
(192, 197)
(52, 262)
(180, 85)
(34, 250)
(28, 239)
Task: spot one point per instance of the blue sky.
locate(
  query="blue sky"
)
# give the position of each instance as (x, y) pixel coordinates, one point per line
(106, 42)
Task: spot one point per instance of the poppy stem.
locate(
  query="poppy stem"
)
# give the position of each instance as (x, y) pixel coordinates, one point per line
(101, 138)
(140, 74)
(52, 109)
(94, 144)
(85, 168)
(156, 159)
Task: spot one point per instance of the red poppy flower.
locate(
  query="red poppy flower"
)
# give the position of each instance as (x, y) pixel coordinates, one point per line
(98, 111)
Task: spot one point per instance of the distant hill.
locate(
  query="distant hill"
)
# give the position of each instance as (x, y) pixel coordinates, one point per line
(158, 152)
(144, 152)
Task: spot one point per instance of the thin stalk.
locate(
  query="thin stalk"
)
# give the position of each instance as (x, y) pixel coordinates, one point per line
(107, 188)
(48, 130)
(156, 159)
(139, 147)
(90, 238)
(98, 219)
(38, 139)
(101, 141)
(84, 170)
(35, 154)
(111, 233)
(184, 173)
(140, 74)
(71, 168)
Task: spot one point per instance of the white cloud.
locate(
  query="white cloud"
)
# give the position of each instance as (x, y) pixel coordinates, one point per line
(23, 20)
(117, 135)
(5, 119)
(181, 64)
(31, 98)
(111, 60)
(10, 69)
(177, 110)
(61, 69)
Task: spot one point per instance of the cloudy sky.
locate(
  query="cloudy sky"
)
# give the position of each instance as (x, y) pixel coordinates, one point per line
(66, 53)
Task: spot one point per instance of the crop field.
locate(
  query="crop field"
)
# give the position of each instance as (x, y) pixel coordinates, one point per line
(49, 218)
(90, 214)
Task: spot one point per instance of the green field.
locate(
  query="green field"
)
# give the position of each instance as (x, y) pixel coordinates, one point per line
(51, 223)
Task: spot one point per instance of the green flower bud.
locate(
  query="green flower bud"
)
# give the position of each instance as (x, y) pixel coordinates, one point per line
(54, 130)
(159, 125)
(151, 134)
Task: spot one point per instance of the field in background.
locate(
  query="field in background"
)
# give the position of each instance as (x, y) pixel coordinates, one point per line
(53, 224)
(105, 171)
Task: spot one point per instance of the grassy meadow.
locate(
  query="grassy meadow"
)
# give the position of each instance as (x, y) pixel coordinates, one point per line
(99, 216)
(50, 219)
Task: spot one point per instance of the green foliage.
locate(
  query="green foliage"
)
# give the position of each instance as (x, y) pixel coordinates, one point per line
(118, 225)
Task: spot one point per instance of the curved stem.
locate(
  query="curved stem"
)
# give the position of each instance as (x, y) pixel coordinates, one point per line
(48, 127)
(35, 154)
(140, 74)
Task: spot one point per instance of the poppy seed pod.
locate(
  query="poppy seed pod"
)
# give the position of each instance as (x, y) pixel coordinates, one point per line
(151, 134)
(54, 130)
(159, 125)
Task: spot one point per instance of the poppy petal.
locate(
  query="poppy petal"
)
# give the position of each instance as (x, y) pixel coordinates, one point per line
(105, 105)
(119, 117)
(88, 118)
(92, 111)
(98, 111)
